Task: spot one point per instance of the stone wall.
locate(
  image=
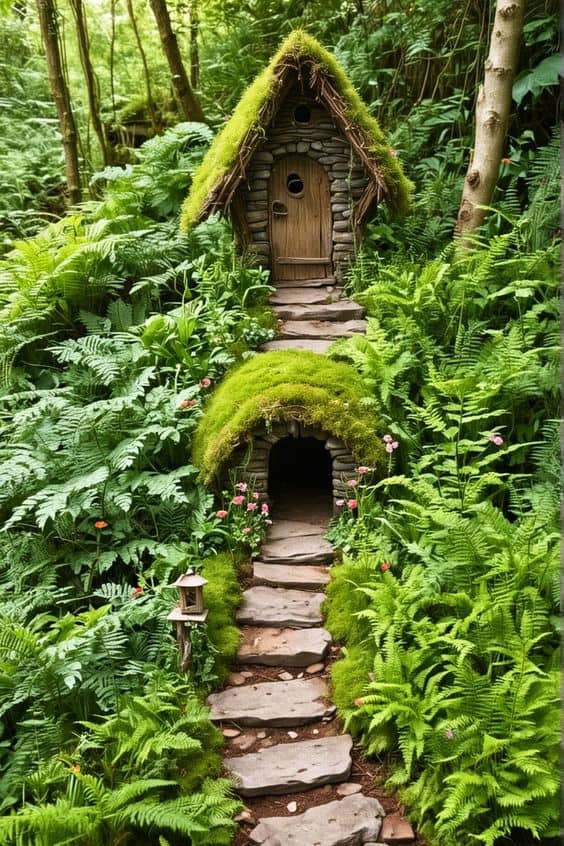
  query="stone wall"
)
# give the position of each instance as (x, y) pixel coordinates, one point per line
(321, 140)
(252, 467)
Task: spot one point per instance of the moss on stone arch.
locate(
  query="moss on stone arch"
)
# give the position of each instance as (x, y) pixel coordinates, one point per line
(281, 386)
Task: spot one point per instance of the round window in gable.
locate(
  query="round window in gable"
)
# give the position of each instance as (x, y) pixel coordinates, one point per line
(302, 113)
(295, 184)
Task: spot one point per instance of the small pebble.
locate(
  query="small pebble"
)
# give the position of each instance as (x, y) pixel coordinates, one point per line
(285, 676)
(315, 731)
(244, 742)
(231, 732)
(300, 675)
(349, 788)
(247, 674)
(261, 735)
(292, 807)
(236, 679)
(245, 816)
(293, 734)
(315, 668)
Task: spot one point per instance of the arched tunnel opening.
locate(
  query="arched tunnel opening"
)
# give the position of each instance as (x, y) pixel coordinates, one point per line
(300, 476)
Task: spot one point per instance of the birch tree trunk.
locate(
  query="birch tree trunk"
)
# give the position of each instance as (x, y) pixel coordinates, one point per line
(50, 34)
(187, 101)
(493, 106)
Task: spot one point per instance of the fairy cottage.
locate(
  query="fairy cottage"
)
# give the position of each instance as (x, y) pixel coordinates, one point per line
(300, 167)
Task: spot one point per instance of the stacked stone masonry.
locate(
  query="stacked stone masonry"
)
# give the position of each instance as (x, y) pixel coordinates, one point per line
(319, 139)
(252, 466)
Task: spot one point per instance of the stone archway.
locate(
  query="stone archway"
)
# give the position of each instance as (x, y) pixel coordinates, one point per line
(256, 465)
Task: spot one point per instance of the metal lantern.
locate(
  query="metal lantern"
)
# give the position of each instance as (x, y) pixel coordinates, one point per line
(191, 609)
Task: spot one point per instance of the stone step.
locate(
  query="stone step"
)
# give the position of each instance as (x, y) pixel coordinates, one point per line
(302, 283)
(305, 296)
(282, 529)
(342, 311)
(273, 704)
(352, 821)
(306, 577)
(275, 647)
(322, 329)
(292, 767)
(304, 549)
(268, 606)
(309, 344)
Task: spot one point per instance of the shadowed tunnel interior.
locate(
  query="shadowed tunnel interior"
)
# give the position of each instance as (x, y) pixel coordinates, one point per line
(299, 471)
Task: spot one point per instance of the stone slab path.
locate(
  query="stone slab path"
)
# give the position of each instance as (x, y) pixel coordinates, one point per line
(291, 767)
(284, 642)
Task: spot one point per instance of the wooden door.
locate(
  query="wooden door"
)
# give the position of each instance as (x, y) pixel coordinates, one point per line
(300, 219)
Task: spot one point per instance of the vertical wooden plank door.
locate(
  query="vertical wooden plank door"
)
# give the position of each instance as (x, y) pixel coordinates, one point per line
(300, 219)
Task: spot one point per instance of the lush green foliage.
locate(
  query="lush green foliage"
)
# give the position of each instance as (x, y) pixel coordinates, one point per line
(451, 574)
(323, 394)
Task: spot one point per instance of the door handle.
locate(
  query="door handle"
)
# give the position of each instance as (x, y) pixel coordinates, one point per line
(279, 208)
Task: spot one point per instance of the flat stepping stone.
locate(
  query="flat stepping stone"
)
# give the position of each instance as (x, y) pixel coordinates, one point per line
(303, 283)
(282, 529)
(341, 311)
(322, 329)
(273, 704)
(309, 344)
(308, 576)
(304, 296)
(268, 606)
(292, 767)
(275, 647)
(353, 821)
(306, 549)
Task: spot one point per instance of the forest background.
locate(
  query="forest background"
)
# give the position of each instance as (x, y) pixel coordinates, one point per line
(114, 328)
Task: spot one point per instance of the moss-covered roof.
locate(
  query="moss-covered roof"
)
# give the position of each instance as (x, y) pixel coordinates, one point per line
(251, 117)
(281, 386)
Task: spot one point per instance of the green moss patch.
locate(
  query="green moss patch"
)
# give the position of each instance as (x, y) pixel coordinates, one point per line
(222, 155)
(288, 385)
(222, 596)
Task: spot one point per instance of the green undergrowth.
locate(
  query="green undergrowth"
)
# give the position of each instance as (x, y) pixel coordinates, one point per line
(222, 596)
(225, 148)
(286, 385)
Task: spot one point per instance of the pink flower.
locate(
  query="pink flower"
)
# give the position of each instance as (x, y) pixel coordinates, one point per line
(391, 446)
(246, 530)
(241, 486)
(339, 503)
(449, 734)
(187, 403)
(385, 566)
(268, 522)
(136, 592)
(251, 506)
(506, 161)
(496, 438)
(204, 383)
(352, 503)
(238, 500)
(264, 508)
(362, 470)
(359, 701)
(221, 514)
(387, 439)
(255, 495)
(352, 483)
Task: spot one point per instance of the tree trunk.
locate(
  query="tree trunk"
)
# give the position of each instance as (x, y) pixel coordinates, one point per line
(194, 52)
(147, 75)
(49, 32)
(493, 106)
(187, 101)
(92, 87)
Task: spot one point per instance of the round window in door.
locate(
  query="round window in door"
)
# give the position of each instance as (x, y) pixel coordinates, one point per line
(295, 185)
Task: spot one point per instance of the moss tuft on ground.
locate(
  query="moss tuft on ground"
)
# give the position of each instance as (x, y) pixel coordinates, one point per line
(223, 152)
(287, 385)
(222, 596)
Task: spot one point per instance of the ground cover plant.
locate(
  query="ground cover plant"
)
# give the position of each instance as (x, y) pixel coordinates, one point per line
(447, 599)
